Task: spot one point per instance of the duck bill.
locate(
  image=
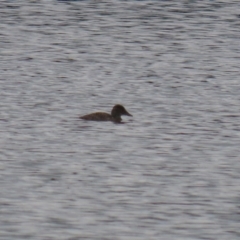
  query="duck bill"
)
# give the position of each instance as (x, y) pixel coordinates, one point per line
(128, 114)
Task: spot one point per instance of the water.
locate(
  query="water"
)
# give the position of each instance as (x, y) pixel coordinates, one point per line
(170, 172)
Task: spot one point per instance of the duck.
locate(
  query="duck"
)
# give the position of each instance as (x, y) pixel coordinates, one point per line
(115, 116)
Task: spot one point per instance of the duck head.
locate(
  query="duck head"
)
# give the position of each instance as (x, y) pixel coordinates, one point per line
(118, 110)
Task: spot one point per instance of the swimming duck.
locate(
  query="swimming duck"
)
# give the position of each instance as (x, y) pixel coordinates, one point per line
(117, 111)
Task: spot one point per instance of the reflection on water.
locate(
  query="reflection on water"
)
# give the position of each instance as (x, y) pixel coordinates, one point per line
(170, 172)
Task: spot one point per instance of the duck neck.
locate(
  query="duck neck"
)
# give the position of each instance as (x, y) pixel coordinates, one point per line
(116, 116)
(117, 120)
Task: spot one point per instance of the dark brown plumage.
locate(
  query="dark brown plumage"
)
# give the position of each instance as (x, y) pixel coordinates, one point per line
(115, 116)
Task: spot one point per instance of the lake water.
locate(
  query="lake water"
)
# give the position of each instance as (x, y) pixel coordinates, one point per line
(172, 171)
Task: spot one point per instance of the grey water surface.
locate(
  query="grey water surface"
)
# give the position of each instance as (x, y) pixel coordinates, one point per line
(170, 172)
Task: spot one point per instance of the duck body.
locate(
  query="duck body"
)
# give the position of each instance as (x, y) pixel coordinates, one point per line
(98, 116)
(115, 116)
